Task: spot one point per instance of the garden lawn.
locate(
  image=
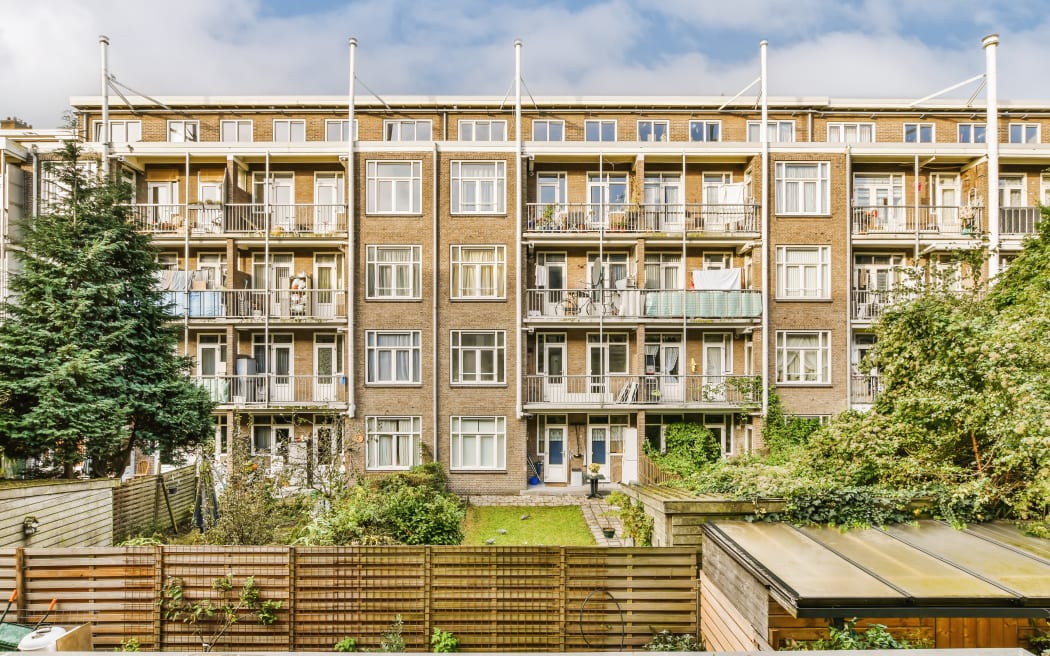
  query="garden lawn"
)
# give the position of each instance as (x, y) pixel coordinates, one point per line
(546, 525)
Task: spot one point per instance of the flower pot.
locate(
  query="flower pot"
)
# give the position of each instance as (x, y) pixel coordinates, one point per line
(609, 532)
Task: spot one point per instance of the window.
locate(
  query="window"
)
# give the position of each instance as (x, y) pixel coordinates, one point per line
(478, 443)
(406, 130)
(548, 130)
(1024, 133)
(270, 440)
(971, 132)
(120, 131)
(663, 271)
(180, 131)
(599, 130)
(336, 130)
(235, 131)
(477, 272)
(705, 130)
(803, 272)
(803, 187)
(394, 187)
(851, 132)
(392, 442)
(478, 357)
(482, 130)
(803, 357)
(653, 131)
(918, 133)
(393, 357)
(478, 187)
(393, 272)
(287, 130)
(782, 131)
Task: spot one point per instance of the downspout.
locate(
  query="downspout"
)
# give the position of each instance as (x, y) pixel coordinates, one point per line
(764, 132)
(351, 247)
(435, 290)
(268, 274)
(519, 278)
(186, 259)
(915, 206)
(849, 280)
(685, 284)
(991, 43)
(103, 41)
(3, 225)
(602, 218)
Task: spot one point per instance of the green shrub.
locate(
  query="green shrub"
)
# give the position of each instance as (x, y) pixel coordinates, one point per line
(443, 642)
(636, 523)
(346, 644)
(848, 637)
(667, 641)
(392, 640)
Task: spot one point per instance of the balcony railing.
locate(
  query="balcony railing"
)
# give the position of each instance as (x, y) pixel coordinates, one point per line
(868, 305)
(297, 220)
(1018, 220)
(864, 389)
(644, 218)
(941, 220)
(628, 389)
(314, 304)
(584, 304)
(275, 389)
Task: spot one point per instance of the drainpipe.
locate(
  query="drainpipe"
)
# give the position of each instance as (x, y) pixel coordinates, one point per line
(850, 303)
(351, 248)
(186, 258)
(3, 225)
(764, 140)
(268, 273)
(915, 205)
(682, 359)
(519, 269)
(991, 44)
(435, 290)
(103, 41)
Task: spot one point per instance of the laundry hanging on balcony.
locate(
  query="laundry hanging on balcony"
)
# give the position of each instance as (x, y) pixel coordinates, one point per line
(297, 301)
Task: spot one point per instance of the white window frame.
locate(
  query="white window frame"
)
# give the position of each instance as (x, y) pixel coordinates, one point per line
(373, 352)
(340, 126)
(128, 128)
(919, 133)
(461, 357)
(471, 129)
(840, 132)
(971, 130)
(1027, 133)
(407, 129)
(776, 128)
(821, 375)
(709, 131)
(823, 188)
(463, 186)
(236, 125)
(654, 128)
(274, 448)
(183, 131)
(410, 427)
(458, 268)
(412, 268)
(547, 125)
(600, 124)
(376, 179)
(292, 125)
(816, 270)
(458, 445)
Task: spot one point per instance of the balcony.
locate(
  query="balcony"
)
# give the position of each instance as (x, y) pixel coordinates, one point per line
(303, 220)
(641, 392)
(869, 305)
(864, 389)
(284, 305)
(275, 390)
(573, 218)
(1018, 221)
(575, 305)
(929, 220)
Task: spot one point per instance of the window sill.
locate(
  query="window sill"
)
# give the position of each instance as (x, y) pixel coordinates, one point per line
(477, 299)
(476, 470)
(803, 215)
(794, 299)
(456, 385)
(396, 299)
(394, 385)
(803, 384)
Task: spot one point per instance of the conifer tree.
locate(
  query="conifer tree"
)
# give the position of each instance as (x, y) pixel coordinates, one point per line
(87, 353)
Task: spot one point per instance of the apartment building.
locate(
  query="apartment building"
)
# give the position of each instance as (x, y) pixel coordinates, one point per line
(437, 288)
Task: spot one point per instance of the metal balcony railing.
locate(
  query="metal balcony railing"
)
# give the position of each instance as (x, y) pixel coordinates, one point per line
(630, 389)
(275, 389)
(864, 389)
(640, 217)
(1018, 220)
(204, 219)
(868, 305)
(313, 304)
(900, 220)
(583, 304)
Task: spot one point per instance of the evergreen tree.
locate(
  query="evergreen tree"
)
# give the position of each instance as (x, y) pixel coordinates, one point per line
(87, 353)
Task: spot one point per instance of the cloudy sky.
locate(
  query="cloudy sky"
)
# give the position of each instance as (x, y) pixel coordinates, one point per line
(874, 48)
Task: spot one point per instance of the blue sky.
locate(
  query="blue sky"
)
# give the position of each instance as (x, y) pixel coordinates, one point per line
(874, 48)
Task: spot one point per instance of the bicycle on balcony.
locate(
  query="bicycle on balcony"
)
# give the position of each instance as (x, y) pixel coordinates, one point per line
(596, 302)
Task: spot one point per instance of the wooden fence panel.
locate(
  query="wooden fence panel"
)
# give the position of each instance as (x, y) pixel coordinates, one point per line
(139, 504)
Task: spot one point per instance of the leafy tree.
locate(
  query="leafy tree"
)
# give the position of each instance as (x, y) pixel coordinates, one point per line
(87, 364)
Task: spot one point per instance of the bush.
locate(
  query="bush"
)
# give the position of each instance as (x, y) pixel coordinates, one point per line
(443, 642)
(688, 447)
(667, 641)
(346, 644)
(848, 637)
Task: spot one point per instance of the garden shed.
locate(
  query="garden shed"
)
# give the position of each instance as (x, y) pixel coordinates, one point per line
(766, 584)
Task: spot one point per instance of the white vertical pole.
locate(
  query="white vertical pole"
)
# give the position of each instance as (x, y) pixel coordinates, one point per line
(103, 41)
(991, 139)
(766, 250)
(351, 256)
(519, 278)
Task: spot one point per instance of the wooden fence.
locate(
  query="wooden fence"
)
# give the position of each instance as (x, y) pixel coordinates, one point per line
(59, 513)
(491, 598)
(153, 502)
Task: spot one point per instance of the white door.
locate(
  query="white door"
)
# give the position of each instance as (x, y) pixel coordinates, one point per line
(883, 198)
(554, 468)
(946, 199)
(209, 217)
(328, 202)
(211, 366)
(716, 365)
(607, 194)
(164, 210)
(281, 196)
(551, 276)
(671, 387)
(282, 388)
(598, 449)
(327, 276)
(662, 203)
(552, 365)
(606, 366)
(723, 433)
(326, 366)
(277, 278)
(711, 187)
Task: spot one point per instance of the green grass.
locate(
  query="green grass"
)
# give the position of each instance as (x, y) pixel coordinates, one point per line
(546, 525)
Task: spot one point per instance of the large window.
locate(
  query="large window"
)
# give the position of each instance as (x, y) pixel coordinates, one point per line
(478, 357)
(705, 130)
(393, 442)
(337, 130)
(851, 132)
(548, 130)
(1024, 133)
(394, 187)
(596, 130)
(393, 272)
(803, 357)
(803, 188)
(478, 187)
(289, 130)
(919, 133)
(778, 131)
(971, 132)
(478, 443)
(406, 130)
(654, 131)
(235, 131)
(471, 130)
(393, 357)
(478, 272)
(179, 131)
(803, 272)
(120, 131)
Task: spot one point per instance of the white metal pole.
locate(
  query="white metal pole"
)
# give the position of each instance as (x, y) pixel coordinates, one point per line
(103, 41)
(351, 255)
(991, 139)
(519, 279)
(764, 140)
